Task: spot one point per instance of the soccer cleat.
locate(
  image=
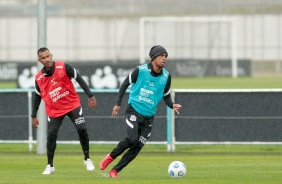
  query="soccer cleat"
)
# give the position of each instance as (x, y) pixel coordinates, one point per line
(113, 174)
(105, 162)
(89, 165)
(49, 169)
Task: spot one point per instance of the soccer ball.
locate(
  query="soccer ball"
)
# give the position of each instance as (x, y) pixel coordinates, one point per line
(176, 169)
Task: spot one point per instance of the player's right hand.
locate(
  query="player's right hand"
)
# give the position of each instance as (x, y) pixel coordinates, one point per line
(92, 102)
(115, 111)
(35, 122)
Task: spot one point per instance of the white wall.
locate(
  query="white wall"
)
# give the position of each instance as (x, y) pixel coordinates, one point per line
(117, 38)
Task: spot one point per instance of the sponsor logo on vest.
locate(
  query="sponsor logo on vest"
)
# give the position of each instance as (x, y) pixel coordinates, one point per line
(144, 94)
(55, 90)
(60, 96)
(146, 100)
(147, 91)
(55, 94)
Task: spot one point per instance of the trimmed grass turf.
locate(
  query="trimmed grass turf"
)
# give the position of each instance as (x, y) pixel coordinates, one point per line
(210, 83)
(226, 164)
(227, 83)
(4, 85)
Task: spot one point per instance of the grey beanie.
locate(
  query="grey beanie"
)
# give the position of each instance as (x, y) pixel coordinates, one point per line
(156, 51)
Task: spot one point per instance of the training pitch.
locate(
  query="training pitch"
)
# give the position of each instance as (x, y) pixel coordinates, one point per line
(210, 83)
(226, 164)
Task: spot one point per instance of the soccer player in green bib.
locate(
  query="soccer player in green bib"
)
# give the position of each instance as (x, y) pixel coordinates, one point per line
(149, 84)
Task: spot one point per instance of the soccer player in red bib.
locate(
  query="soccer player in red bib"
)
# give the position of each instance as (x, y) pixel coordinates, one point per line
(54, 86)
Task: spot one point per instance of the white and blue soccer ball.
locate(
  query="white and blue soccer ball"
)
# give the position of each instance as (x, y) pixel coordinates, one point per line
(176, 169)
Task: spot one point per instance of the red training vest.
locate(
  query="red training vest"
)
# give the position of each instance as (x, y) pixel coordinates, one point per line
(57, 91)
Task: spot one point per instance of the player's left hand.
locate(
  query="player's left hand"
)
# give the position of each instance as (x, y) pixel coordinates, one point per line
(176, 108)
(92, 102)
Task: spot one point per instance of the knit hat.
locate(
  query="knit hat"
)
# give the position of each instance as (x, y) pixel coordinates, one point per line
(156, 51)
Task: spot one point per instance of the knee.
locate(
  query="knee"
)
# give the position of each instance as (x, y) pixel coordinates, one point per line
(138, 144)
(132, 141)
(82, 133)
(51, 140)
(52, 136)
(138, 141)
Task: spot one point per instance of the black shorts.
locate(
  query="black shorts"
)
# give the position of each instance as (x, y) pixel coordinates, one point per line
(76, 117)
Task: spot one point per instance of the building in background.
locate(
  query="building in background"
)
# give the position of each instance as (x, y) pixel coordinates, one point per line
(99, 30)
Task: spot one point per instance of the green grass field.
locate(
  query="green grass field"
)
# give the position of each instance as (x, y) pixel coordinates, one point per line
(211, 83)
(7, 85)
(226, 164)
(227, 83)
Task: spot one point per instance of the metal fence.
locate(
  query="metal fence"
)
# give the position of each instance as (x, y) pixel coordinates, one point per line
(207, 117)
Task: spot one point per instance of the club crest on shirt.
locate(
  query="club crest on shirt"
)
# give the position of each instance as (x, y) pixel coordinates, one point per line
(53, 82)
(150, 83)
(133, 118)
